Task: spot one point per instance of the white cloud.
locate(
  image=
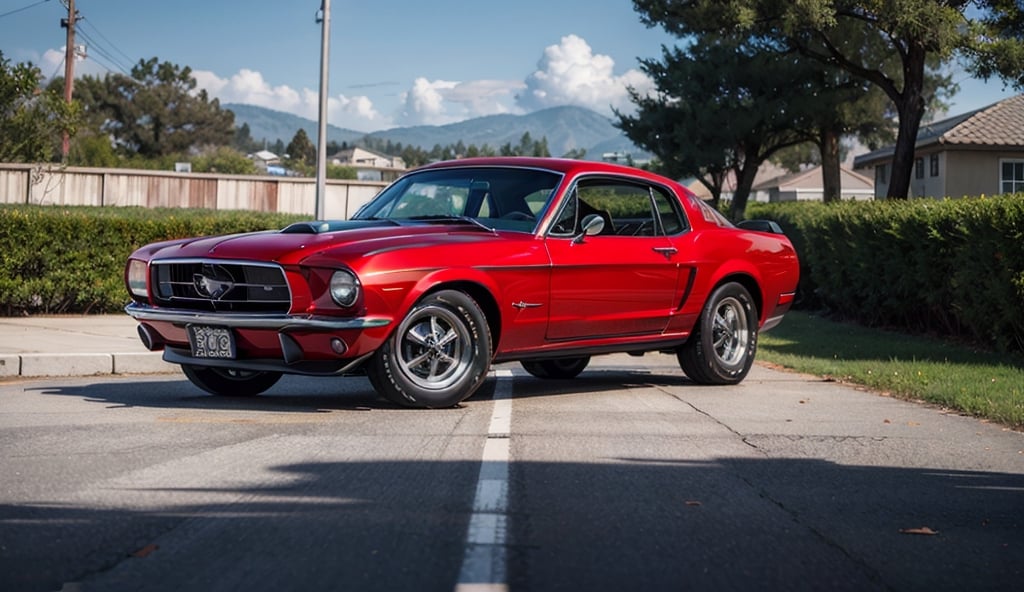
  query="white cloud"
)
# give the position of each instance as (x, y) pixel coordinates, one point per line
(52, 64)
(249, 87)
(568, 73)
(439, 102)
(571, 74)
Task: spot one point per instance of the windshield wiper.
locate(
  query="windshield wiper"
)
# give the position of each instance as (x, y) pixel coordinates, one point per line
(449, 219)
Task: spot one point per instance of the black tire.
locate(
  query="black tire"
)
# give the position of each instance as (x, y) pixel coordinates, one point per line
(230, 383)
(561, 368)
(437, 356)
(721, 348)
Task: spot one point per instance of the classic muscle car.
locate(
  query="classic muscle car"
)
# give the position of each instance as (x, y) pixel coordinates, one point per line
(459, 265)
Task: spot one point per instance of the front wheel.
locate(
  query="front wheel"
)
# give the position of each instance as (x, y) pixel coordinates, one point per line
(561, 368)
(438, 355)
(229, 382)
(721, 349)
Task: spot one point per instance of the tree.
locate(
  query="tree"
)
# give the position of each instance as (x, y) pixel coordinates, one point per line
(243, 140)
(32, 121)
(718, 110)
(93, 150)
(988, 34)
(223, 159)
(155, 112)
(301, 150)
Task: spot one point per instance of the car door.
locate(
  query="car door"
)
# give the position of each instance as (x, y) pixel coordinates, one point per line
(621, 281)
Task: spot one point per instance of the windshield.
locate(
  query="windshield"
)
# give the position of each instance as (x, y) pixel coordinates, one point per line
(500, 198)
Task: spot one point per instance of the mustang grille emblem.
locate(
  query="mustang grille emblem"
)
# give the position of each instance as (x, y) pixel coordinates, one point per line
(211, 287)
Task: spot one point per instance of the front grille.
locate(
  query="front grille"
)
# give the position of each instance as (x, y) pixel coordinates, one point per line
(219, 286)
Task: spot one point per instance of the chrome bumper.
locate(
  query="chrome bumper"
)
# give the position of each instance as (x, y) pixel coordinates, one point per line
(277, 322)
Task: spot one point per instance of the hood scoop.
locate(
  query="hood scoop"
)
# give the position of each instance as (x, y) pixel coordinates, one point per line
(322, 226)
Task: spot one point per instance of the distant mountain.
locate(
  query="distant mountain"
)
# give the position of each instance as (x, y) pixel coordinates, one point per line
(271, 126)
(566, 128)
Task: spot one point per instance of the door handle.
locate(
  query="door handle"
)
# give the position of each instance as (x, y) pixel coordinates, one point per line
(666, 251)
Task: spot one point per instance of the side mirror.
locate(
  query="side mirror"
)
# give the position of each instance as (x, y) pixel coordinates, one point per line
(592, 224)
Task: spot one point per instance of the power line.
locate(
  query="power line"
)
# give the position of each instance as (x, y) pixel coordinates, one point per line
(97, 49)
(112, 45)
(17, 10)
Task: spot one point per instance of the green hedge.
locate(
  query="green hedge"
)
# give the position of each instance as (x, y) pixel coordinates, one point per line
(954, 267)
(951, 267)
(56, 260)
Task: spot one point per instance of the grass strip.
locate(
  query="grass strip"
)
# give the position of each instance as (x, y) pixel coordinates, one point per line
(983, 384)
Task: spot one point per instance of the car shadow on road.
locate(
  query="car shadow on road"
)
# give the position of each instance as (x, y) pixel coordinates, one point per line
(624, 523)
(354, 393)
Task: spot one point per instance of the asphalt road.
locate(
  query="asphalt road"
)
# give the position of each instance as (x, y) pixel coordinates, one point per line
(626, 478)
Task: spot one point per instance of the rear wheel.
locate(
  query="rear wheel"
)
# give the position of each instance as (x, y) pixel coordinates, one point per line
(228, 382)
(438, 355)
(559, 368)
(722, 347)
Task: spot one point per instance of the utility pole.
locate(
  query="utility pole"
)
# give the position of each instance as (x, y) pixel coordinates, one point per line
(321, 141)
(69, 65)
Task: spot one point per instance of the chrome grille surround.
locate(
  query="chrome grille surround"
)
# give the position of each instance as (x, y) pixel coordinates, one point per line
(218, 285)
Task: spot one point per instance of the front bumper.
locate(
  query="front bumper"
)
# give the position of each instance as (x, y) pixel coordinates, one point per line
(277, 322)
(291, 344)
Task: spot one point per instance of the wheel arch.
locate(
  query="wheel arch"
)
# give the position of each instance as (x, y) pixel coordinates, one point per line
(752, 286)
(483, 297)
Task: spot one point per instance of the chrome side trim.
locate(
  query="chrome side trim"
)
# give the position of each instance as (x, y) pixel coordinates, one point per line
(279, 322)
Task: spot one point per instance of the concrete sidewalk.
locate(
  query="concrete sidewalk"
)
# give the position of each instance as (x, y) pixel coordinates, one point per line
(75, 345)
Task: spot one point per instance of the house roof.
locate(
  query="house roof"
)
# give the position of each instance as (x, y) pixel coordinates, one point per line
(1000, 125)
(811, 180)
(352, 150)
(265, 155)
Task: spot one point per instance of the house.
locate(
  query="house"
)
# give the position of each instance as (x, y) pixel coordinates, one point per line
(369, 165)
(977, 153)
(626, 158)
(264, 159)
(808, 186)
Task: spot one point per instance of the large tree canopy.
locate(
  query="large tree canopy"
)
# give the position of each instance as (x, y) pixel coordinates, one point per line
(156, 111)
(987, 34)
(32, 120)
(719, 109)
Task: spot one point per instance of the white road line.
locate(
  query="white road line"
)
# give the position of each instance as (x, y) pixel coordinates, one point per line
(483, 565)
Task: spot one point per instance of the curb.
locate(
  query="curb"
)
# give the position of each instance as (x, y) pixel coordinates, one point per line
(79, 364)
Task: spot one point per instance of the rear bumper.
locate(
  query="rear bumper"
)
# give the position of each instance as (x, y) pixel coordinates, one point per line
(782, 306)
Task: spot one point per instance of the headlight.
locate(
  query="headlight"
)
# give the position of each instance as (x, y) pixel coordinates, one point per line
(136, 276)
(344, 288)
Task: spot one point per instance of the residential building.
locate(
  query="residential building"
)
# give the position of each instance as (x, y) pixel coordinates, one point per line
(808, 186)
(369, 165)
(977, 153)
(265, 159)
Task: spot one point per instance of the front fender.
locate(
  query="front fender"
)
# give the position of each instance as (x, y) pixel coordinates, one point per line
(398, 291)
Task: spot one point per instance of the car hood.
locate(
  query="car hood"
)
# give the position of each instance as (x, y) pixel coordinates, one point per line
(292, 245)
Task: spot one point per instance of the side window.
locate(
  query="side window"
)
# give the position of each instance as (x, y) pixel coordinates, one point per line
(567, 222)
(671, 220)
(626, 208)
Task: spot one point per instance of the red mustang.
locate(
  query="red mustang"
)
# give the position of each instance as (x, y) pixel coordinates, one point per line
(461, 264)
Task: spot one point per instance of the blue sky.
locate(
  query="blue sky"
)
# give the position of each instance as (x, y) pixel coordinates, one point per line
(392, 63)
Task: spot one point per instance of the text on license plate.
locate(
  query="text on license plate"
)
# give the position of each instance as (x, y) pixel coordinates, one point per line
(211, 342)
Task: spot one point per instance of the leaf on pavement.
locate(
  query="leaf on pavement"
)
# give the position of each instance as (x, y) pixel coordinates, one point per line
(919, 530)
(145, 551)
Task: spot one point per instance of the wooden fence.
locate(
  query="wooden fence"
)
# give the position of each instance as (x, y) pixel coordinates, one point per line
(74, 186)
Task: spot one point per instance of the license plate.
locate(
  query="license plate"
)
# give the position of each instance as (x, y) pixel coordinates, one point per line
(211, 342)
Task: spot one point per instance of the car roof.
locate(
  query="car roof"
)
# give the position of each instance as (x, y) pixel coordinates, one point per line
(571, 167)
(566, 166)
